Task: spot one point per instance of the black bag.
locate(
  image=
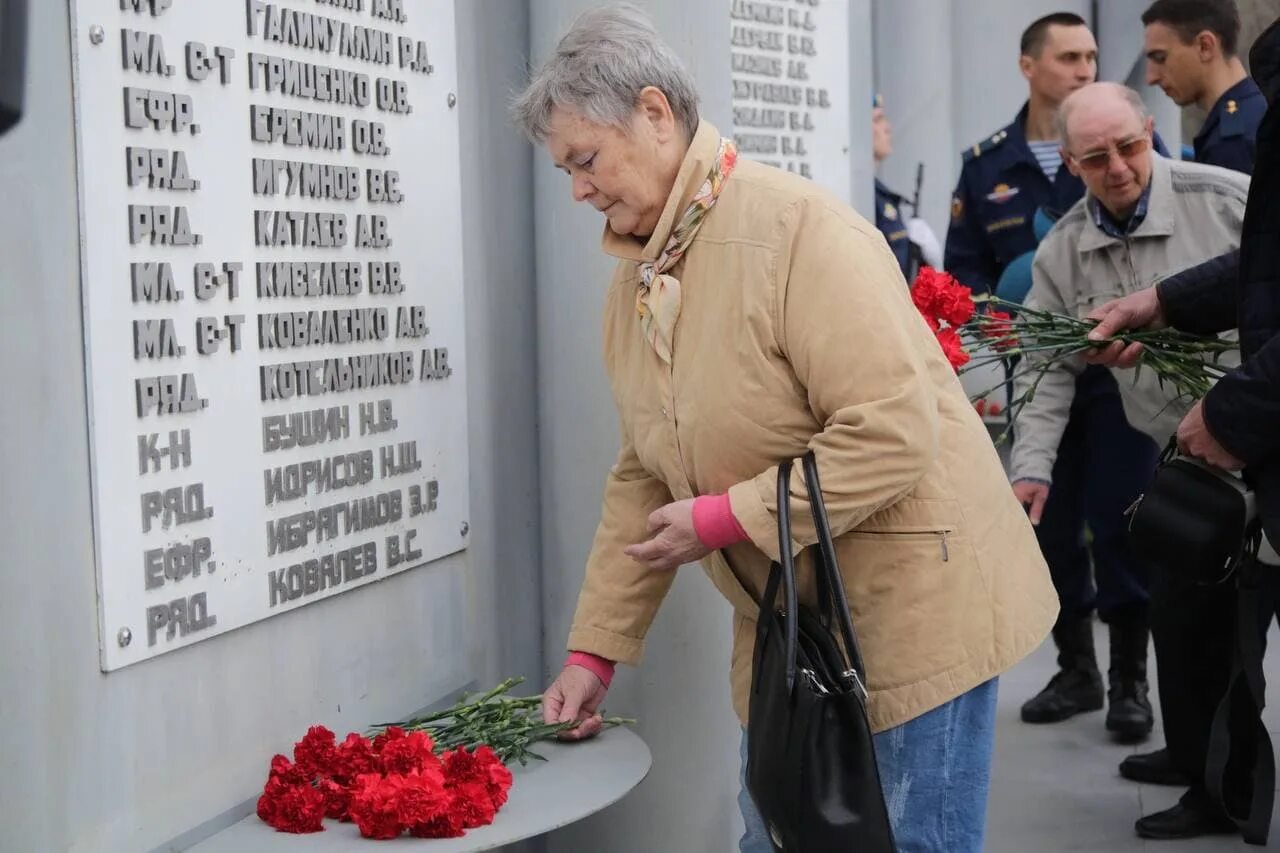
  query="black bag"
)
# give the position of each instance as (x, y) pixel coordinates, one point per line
(1194, 517)
(811, 763)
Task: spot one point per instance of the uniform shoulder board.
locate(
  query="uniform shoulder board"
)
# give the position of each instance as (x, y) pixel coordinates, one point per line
(1240, 116)
(978, 149)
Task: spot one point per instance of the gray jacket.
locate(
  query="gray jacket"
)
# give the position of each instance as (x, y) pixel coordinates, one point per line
(1194, 212)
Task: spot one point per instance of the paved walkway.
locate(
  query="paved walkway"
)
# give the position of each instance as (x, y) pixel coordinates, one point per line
(1056, 788)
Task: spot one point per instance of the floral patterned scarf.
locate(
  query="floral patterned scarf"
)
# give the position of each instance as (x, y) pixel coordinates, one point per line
(658, 297)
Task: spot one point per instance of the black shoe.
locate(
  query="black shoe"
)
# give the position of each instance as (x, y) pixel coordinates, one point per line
(1129, 715)
(1070, 692)
(1153, 768)
(1183, 821)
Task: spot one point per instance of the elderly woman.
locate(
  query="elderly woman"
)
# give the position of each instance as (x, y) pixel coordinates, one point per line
(752, 317)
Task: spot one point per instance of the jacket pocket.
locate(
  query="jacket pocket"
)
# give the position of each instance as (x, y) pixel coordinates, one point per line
(940, 535)
(919, 603)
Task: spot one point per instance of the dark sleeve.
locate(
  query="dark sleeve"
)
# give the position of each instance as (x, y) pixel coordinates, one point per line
(968, 255)
(1231, 152)
(1203, 299)
(1243, 410)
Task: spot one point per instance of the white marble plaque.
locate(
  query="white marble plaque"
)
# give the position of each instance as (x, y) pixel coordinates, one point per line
(273, 297)
(790, 68)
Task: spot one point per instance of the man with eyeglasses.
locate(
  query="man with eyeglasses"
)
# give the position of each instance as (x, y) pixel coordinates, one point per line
(1143, 217)
(1011, 187)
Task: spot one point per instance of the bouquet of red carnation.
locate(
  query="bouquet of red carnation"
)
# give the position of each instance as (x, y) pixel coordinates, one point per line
(433, 776)
(973, 338)
(946, 308)
(392, 784)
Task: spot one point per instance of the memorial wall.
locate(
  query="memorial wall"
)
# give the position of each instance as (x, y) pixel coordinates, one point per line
(790, 72)
(159, 754)
(270, 207)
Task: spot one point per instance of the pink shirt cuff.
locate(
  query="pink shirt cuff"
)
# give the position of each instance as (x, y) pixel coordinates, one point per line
(601, 668)
(714, 522)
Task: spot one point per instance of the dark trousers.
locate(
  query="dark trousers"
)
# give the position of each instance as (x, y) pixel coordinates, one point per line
(1193, 630)
(1103, 465)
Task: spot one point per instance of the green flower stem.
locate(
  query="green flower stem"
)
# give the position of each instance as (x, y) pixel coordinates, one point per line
(509, 725)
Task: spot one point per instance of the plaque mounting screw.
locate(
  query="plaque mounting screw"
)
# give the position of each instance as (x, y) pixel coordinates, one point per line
(124, 636)
(96, 35)
(465, 528)
(452, 100)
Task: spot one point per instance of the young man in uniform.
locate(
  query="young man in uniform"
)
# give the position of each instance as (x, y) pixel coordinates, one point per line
(1103, 462)
(1191, 54)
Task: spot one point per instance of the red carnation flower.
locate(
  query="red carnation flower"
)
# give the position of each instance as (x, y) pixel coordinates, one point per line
(292, 808)
(373, 807)
(938, 296)
(337, 799)
(315, 753)
(412, 753)
(447, 824)
(353, 757)
(284, 769)
(472, 804)
(390, 733)
(999, 328)
(953, 348)
(924, 288)
(954, 304)
(482, 766)
(420, 797)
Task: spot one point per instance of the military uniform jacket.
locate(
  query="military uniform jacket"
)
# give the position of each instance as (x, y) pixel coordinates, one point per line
(1000, 188)
(893, 225)
(1228, 136)
(1194, 212)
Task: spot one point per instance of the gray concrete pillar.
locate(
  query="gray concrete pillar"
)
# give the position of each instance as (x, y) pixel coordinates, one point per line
(913, 71)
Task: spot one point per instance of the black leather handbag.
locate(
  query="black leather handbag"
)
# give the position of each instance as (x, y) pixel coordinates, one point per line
(811, 763)
(1194, 519)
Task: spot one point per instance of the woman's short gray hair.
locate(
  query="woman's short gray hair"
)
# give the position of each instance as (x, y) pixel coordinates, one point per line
(599, 68)
(1068, 106)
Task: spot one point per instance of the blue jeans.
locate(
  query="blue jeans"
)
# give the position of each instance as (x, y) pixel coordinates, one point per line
(935, 771)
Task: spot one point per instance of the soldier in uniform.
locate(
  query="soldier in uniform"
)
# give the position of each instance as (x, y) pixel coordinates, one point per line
(911, 239)
(1103, 463)
(1191, 55)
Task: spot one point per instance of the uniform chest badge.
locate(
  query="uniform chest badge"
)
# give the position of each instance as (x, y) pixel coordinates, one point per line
(957, 208)
(1002, 193)
(890, 212)
(1232, 106)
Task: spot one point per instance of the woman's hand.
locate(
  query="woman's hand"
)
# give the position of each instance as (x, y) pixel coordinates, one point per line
(672, 540)
(576, 694)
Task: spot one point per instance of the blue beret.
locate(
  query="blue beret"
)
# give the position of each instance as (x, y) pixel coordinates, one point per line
(1042, 223)
(1015, 281)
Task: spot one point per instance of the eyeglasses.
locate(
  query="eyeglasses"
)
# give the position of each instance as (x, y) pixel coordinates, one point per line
(1096, 161)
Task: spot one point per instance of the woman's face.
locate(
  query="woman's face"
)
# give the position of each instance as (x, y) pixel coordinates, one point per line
(626, 175)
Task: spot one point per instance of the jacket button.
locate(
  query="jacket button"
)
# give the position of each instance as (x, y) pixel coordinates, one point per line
(664, 412)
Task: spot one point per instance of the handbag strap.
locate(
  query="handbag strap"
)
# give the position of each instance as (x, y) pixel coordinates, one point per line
(1244, 699)
(783, 573)
(829, 571)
